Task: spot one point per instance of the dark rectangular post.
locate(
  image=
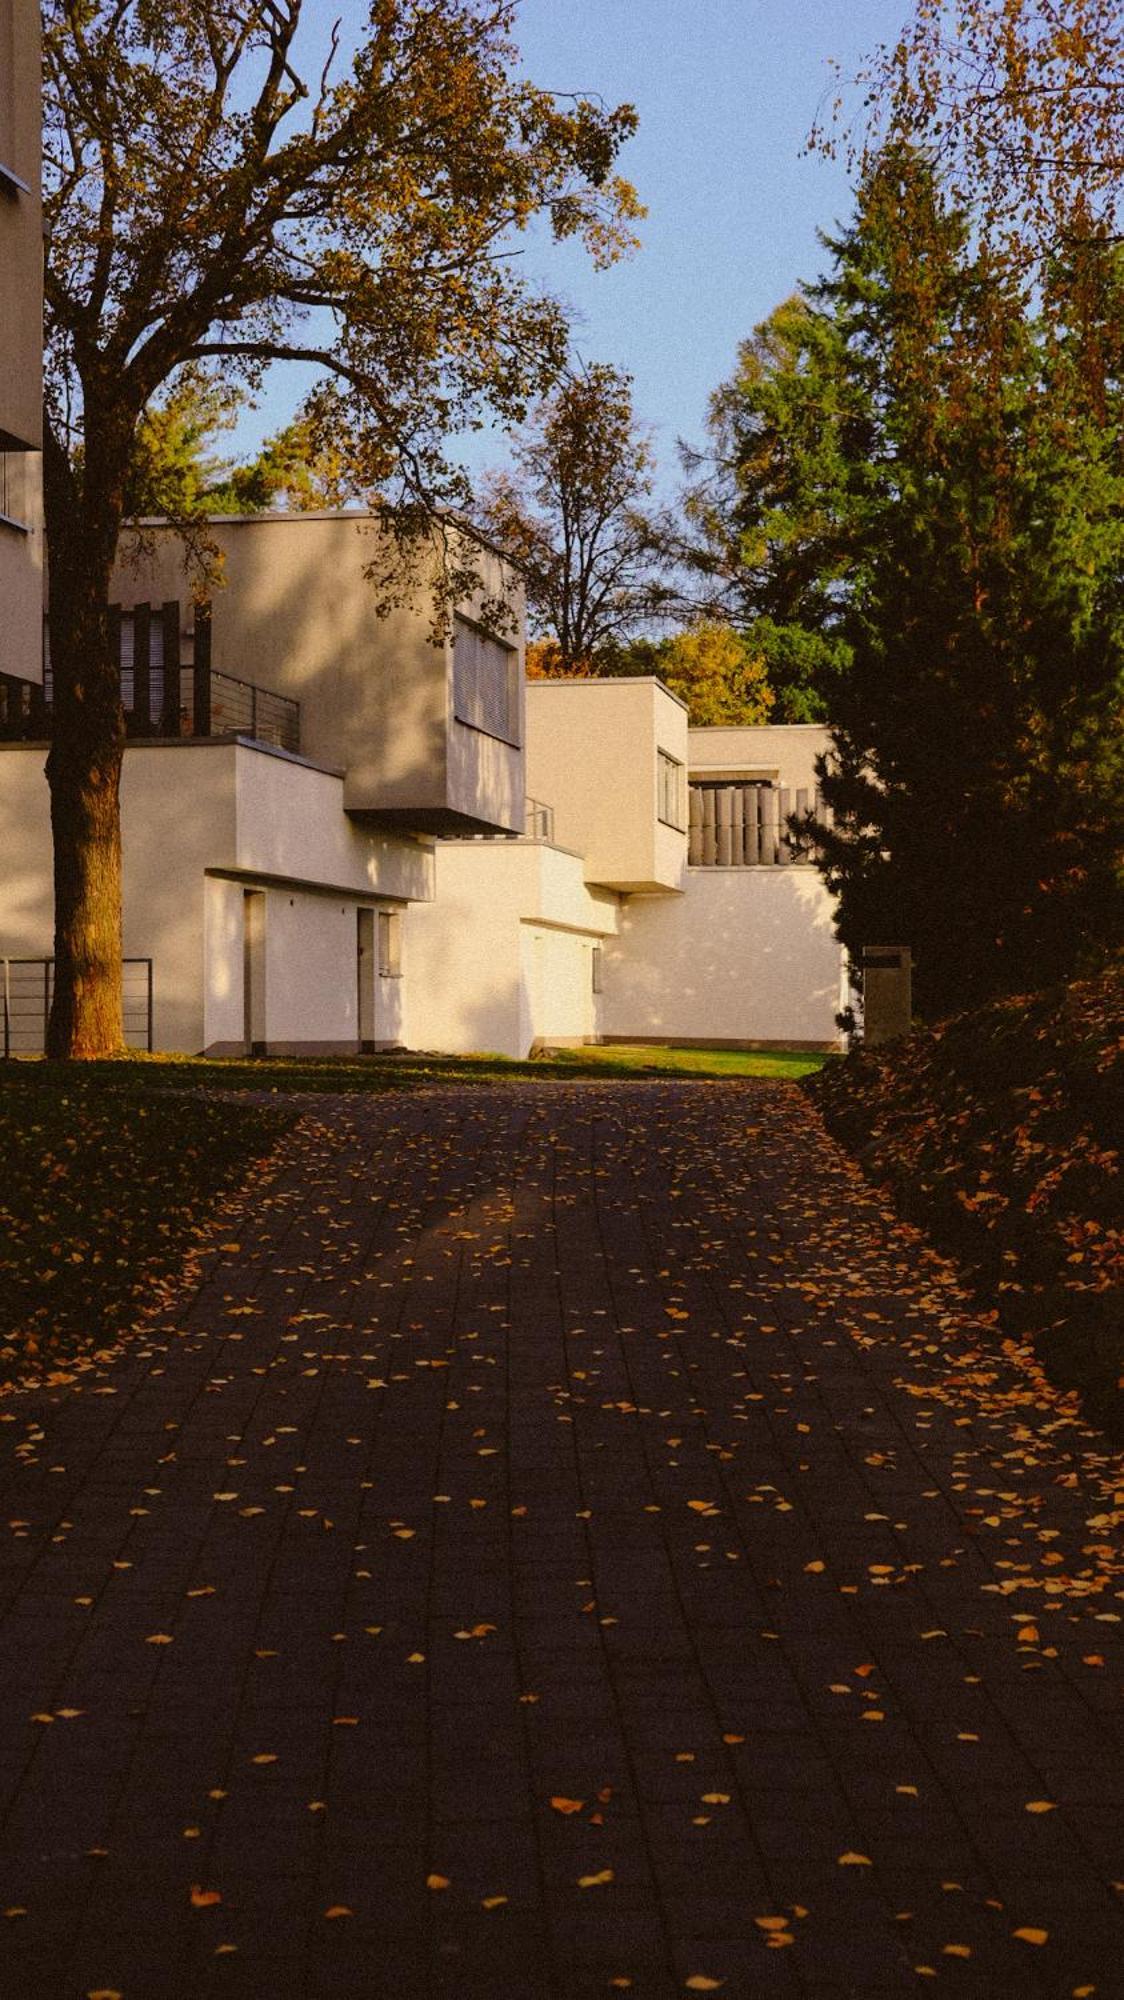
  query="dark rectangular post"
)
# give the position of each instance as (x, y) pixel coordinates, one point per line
(142, 681)
(37, 717)
(170, 620)
(202, 674)
(150, 1006)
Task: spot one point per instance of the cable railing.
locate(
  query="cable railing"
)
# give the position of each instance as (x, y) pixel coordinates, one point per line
(163, 695)
(26, 990)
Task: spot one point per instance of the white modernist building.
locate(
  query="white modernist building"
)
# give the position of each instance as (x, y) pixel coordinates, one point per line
(345, 832)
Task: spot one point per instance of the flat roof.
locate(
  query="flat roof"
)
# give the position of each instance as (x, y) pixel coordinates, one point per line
(605, 681)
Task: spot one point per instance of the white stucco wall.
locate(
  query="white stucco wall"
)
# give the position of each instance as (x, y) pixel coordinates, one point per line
(200, 824)
(785, 752)
(177, 818)
(291, 821)
(745, 955)
(592, 755)
(502, 957)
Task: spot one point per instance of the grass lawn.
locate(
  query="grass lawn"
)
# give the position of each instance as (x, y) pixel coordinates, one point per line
(147, 1074)
(101, 1196)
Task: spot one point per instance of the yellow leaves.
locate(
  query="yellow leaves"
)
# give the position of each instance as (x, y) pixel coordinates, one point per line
(338, 1910)
(103, 1993)
(475, 1632)
(771, 1923)
(957, 1950)
(700, 1983)
(224, 1496)
(265, 1757)
(345, 1721)
(159, 1639)
(1031, 1934)
(852, 1860)
(716, 1798)
(814, 1568)
(492, 1902)
(204, 1899)
(1040, 1806)
(706, 1507)
(595, 1881)
(564, 1805)
(436, 1882)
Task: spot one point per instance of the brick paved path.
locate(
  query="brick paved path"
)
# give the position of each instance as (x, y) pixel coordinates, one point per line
(575, 1544)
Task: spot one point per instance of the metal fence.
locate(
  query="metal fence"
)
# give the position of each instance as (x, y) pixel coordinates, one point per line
(29, 984)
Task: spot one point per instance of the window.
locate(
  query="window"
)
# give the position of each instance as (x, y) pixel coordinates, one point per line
(670, 795)
(12, 498)
(485, 682)
(596, 967)
(390, 944)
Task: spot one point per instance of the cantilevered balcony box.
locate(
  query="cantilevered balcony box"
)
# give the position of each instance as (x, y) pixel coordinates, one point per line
(426, 728)
(610, 757)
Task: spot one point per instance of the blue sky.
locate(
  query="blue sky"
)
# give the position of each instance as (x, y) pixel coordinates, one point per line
(726, 91)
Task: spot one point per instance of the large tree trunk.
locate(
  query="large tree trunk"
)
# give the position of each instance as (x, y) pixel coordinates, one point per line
(84, 764)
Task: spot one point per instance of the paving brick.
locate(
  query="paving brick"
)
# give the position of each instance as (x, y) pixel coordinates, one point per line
(698, 1532)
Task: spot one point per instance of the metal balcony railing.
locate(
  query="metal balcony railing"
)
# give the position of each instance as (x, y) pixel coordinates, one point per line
(164, 696)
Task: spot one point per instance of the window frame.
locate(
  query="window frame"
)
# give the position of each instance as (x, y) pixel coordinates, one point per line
(388, 944)
(666, 763)
(510, 735)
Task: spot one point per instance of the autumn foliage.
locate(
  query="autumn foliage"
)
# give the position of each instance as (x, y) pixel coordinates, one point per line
(998, 1132)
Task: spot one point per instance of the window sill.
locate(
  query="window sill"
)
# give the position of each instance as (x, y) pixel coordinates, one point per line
(493, 735)
(17, 527)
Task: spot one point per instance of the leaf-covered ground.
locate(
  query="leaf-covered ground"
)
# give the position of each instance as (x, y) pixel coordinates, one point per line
(101, 1195)
(559, 1542)
(998, 1132)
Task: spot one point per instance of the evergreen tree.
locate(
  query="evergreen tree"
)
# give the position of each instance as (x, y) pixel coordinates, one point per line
(929, 514)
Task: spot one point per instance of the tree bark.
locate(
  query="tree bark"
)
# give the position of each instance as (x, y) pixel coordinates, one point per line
(87, 743)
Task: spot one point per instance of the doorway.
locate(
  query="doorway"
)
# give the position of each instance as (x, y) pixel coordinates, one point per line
(253, 971)
(365, 979)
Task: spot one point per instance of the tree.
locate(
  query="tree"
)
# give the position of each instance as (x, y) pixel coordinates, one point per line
(973, 522)
(176, 474)
(205, 203)
(766, 506)
(574, 516)
(1018, 104)
(718, 674)
(711, 666)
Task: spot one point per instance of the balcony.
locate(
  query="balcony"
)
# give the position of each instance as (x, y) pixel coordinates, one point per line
(165, 698)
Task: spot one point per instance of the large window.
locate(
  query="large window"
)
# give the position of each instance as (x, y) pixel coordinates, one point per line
(671, 793)
(485, 682)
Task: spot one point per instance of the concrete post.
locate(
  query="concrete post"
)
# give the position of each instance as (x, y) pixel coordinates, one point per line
(887, 973)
